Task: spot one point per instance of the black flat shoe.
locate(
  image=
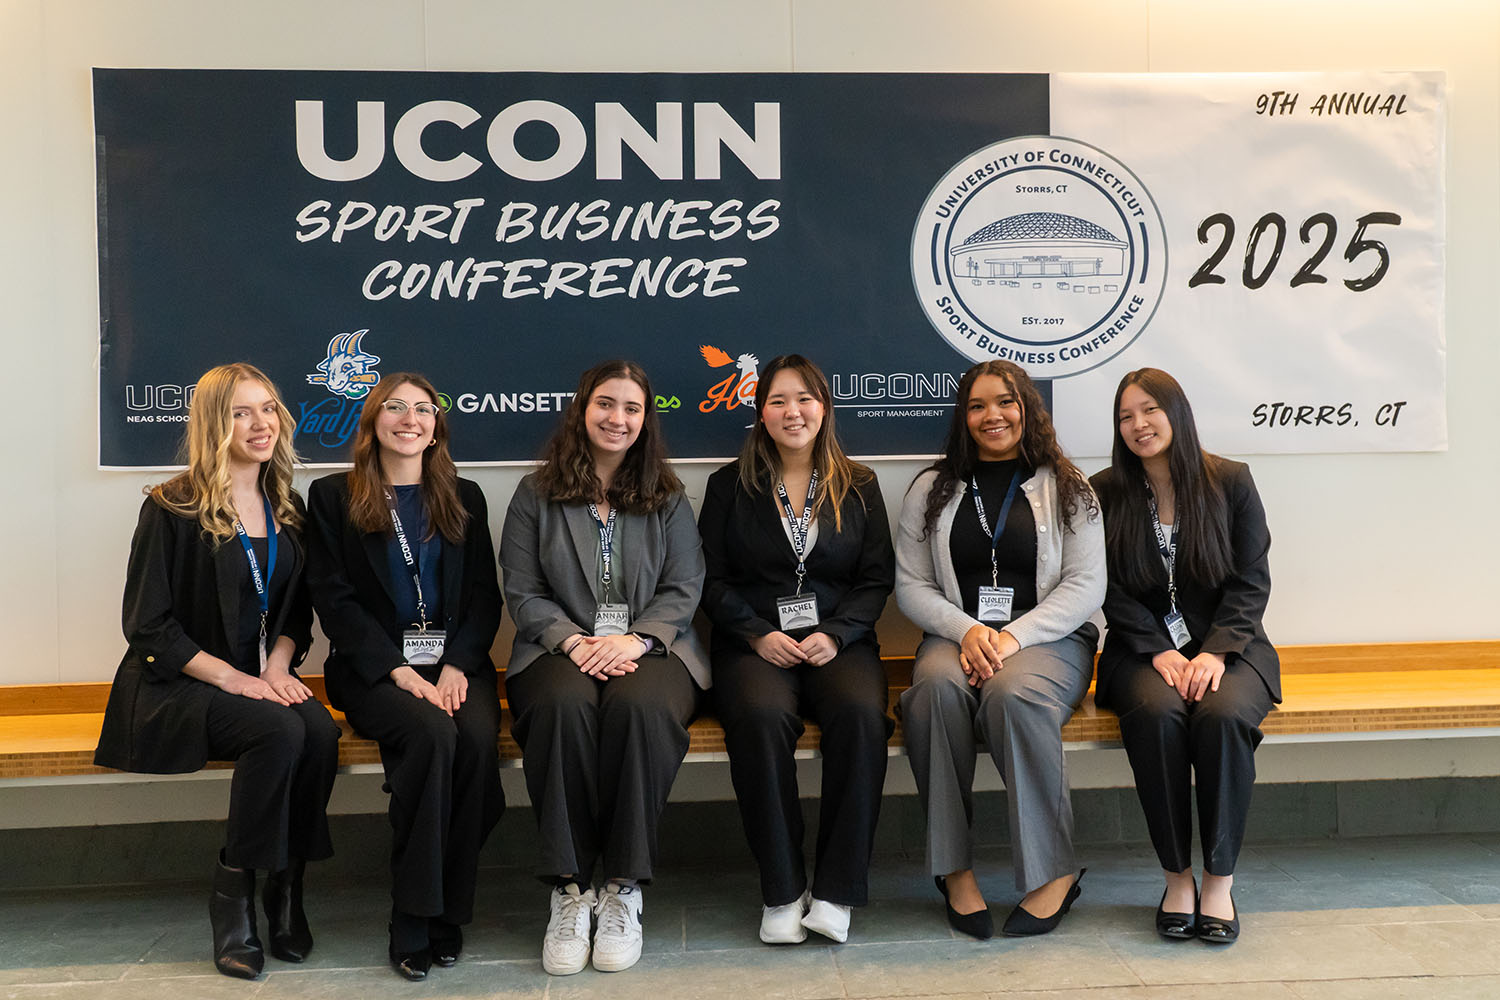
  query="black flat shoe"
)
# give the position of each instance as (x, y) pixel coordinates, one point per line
(978, 924)
(1216, 930)
(447, 943)
(1023, 923)
(1177, 926)
(410, 965)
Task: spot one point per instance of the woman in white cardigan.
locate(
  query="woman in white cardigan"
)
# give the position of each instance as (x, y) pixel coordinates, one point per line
(1000, 562)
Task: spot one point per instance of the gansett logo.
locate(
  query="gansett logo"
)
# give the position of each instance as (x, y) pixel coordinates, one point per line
(347, 371)
(738, 388)
(1040, 250)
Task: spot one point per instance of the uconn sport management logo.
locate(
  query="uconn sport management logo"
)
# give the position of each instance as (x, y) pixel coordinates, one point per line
(1040, 250)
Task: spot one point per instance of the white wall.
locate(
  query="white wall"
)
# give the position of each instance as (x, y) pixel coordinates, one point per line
(1368, 547)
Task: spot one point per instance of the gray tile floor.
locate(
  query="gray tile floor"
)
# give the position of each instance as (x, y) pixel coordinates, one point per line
(1414, 917)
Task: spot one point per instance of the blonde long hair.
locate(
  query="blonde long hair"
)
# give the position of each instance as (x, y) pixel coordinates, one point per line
(202, 491)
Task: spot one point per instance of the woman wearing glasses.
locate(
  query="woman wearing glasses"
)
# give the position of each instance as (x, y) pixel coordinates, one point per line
(403, 576)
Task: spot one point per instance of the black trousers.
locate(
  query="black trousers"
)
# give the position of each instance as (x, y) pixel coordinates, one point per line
(1168, 739)
(761, 707)
(444, 777)
(285, 760)
(600, 758)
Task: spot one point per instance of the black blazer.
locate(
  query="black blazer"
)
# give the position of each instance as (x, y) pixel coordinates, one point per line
(751, 562)
(183, 595)
(1225, 619)
(350, 581)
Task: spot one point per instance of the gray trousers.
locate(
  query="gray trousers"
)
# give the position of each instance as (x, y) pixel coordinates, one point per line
(1018, 714)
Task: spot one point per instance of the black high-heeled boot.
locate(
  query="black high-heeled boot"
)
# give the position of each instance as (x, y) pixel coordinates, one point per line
(231, 912)
(291, 938)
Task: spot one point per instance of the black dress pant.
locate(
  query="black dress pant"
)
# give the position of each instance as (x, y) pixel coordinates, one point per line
(761, 707)
(600, 757)
(1168, 739)
(285, 760)
(444, 777)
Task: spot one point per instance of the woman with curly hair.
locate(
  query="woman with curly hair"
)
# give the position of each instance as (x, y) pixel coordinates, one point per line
(402, 571)
(218, 619)
(1000, 562)
(602, 570)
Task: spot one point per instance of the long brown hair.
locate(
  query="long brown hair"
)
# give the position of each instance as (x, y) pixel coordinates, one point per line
(760, 461)
(368, 512)
(202, 490)
(1039, 447)
(644, 482)
(1204, 550)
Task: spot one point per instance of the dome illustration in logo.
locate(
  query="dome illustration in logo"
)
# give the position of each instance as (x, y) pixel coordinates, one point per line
(1040, 250)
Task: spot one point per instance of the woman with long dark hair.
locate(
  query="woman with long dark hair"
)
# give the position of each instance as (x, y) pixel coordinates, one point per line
(799, 560)
(1000, 562)
(603, 570)
(218, 619)
(1186, 662)
(402, 572)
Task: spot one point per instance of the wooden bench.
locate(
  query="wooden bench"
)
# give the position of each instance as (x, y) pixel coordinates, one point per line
(1381, 690)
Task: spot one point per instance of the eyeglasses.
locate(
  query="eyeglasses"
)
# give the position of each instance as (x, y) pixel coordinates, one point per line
(398, 408)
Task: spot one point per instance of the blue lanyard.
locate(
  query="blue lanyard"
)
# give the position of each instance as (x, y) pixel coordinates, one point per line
(999, 529)
(606, 543)
(411, 562)
(1166, 546)
(262, 584)
(800, 527)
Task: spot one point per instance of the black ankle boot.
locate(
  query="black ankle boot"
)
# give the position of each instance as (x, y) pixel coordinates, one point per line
(291, 939)
(231, 912)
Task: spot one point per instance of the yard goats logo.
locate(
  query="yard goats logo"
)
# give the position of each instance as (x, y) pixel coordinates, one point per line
(347, 371)
(1040, 250)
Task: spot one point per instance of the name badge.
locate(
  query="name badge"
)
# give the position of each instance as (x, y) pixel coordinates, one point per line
(797, 612)
(1177, 629)
(995, 602)
(612, 619)
(422, 649)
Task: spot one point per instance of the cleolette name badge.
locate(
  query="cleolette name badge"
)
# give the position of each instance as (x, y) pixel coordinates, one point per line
(995, 604)
(995, 601)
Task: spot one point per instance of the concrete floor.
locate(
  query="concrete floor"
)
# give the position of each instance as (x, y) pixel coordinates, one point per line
(1392, 917)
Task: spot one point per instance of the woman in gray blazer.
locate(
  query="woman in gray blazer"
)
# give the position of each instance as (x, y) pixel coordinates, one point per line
(1000, 562)
(602, 571)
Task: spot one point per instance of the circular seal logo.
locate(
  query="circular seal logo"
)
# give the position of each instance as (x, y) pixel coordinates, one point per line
(1040, 250)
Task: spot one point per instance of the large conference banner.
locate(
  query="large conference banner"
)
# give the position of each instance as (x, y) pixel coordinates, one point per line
(1274, 240)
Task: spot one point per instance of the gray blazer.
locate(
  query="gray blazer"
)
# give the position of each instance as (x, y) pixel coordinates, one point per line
(549, 558)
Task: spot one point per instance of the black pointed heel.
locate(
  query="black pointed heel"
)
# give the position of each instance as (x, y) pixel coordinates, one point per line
(978, 924)
(231, 913)
(1023, 923)
(291, 938)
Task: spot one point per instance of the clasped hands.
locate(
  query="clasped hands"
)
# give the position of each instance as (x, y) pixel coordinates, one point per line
(781, 650)
(983, 652)
(448, 693)
(1192, 678)
(605, 656)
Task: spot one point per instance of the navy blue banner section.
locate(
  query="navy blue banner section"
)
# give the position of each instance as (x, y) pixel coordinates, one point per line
(500, 232)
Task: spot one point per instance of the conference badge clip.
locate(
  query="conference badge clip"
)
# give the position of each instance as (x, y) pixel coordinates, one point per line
(1177, 629)
(612, 619)
(995, 604)
(799, 611)
(423, 647)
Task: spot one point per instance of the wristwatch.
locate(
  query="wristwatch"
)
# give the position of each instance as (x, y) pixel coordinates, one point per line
(648, 641)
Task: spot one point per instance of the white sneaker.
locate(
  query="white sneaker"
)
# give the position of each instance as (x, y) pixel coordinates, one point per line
(783, 924)
(829, 919)
(565, 949)
(617, 942)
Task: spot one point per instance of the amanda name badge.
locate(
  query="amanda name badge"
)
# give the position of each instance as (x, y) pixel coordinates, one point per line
(422, 649)
(800, 611)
